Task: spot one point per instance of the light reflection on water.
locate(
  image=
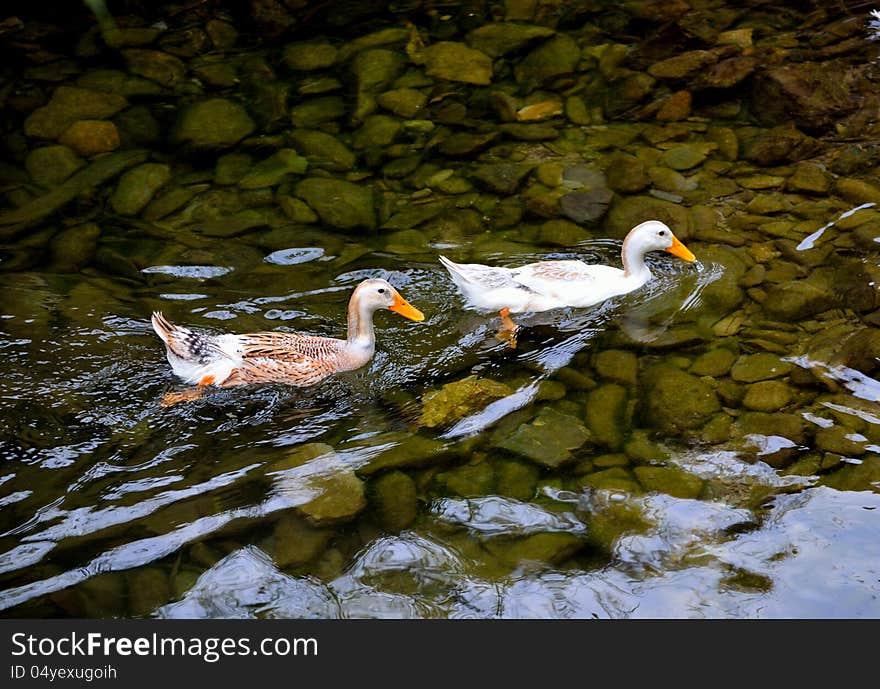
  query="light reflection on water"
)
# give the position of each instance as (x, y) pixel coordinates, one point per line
(106, 481)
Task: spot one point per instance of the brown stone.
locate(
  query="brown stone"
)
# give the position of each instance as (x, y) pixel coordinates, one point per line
(676, 107)
(91, 137)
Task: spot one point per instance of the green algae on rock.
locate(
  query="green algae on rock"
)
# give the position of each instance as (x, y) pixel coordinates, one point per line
(670, 480)
(323, 150)
(459, 399)
(549, 439)
(395, 498)
(457, 62)
(212, 124)
(137, 187)
(51, 165)
(750, 368)
(500, 38)
(69, 104)
(607, 415)
(339, 203)
(676, 401)
(274, 169)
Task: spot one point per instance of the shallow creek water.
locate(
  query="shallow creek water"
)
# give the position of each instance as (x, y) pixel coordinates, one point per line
(708, 446)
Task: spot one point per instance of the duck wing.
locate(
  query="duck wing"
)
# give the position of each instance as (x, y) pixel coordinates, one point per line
(287, 358)
(292, 347)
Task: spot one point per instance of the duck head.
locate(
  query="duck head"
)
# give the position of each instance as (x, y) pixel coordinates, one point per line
(374, 294)
(654, 235)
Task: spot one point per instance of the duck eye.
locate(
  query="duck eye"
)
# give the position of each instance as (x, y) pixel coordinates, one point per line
(381, 290)
(662, 233)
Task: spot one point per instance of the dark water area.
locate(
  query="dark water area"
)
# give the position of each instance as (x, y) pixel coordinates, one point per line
(705, 446)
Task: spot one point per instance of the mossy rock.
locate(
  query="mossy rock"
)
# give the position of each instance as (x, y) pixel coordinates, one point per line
(558, 56)
(469, 480)
(615, 520)
(403, 102)
(841, 441)
(459, 399)
(91, 137)
(549, 439)
(377, 131)
(338, 203)
(715, 363)
(213, 124)
(561, 233)
(751, 368)
(305, 57)
(137, 187)
(544, 548)
(767, 396)
(686, 156)
(790, 426)
(675, 401)
(395, 498)
(313, 113)
(375, 39)
(295, 542)
(629, 211)
(857, 191)
(405, 242)
(323, 150)
(231, 167)
(799, 299)
(717, 429)
(642, 450)
(618, 365)
(376, 69)
(864, 476)
(500, 38)
(514, 479)
(69, 104)
(607, 416)
(324, 489)
(74, 247)
(615, 478)
(48, 166)
(166, 70)
(148, 589)
(670, 480)
(457, 62)
(626, 173)
(628, 93)
(502, 178)
(724, 294)
(401, 450)
(274, 169)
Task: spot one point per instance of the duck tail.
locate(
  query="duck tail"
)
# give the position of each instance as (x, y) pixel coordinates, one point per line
(183, 342)
(450, 266)
(454, 269)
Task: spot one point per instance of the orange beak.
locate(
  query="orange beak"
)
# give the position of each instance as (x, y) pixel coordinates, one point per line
(405, 309)
(680, 250)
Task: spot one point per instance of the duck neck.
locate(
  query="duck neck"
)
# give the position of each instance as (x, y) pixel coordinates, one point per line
(634, 266)
(361, 334)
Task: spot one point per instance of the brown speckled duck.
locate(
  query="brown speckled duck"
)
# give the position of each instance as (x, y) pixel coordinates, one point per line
(278, 357)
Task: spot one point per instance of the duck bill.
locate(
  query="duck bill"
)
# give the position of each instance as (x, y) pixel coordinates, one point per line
(680, 250)
(405, 309)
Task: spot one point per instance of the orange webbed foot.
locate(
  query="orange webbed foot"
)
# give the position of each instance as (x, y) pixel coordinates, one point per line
(188, 395)
(508, 330)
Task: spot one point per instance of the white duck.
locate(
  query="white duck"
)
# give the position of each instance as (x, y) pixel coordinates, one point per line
(547, 285)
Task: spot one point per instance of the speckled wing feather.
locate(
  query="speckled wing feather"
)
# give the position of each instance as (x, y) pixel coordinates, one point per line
(287, 357)
(292, 346)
